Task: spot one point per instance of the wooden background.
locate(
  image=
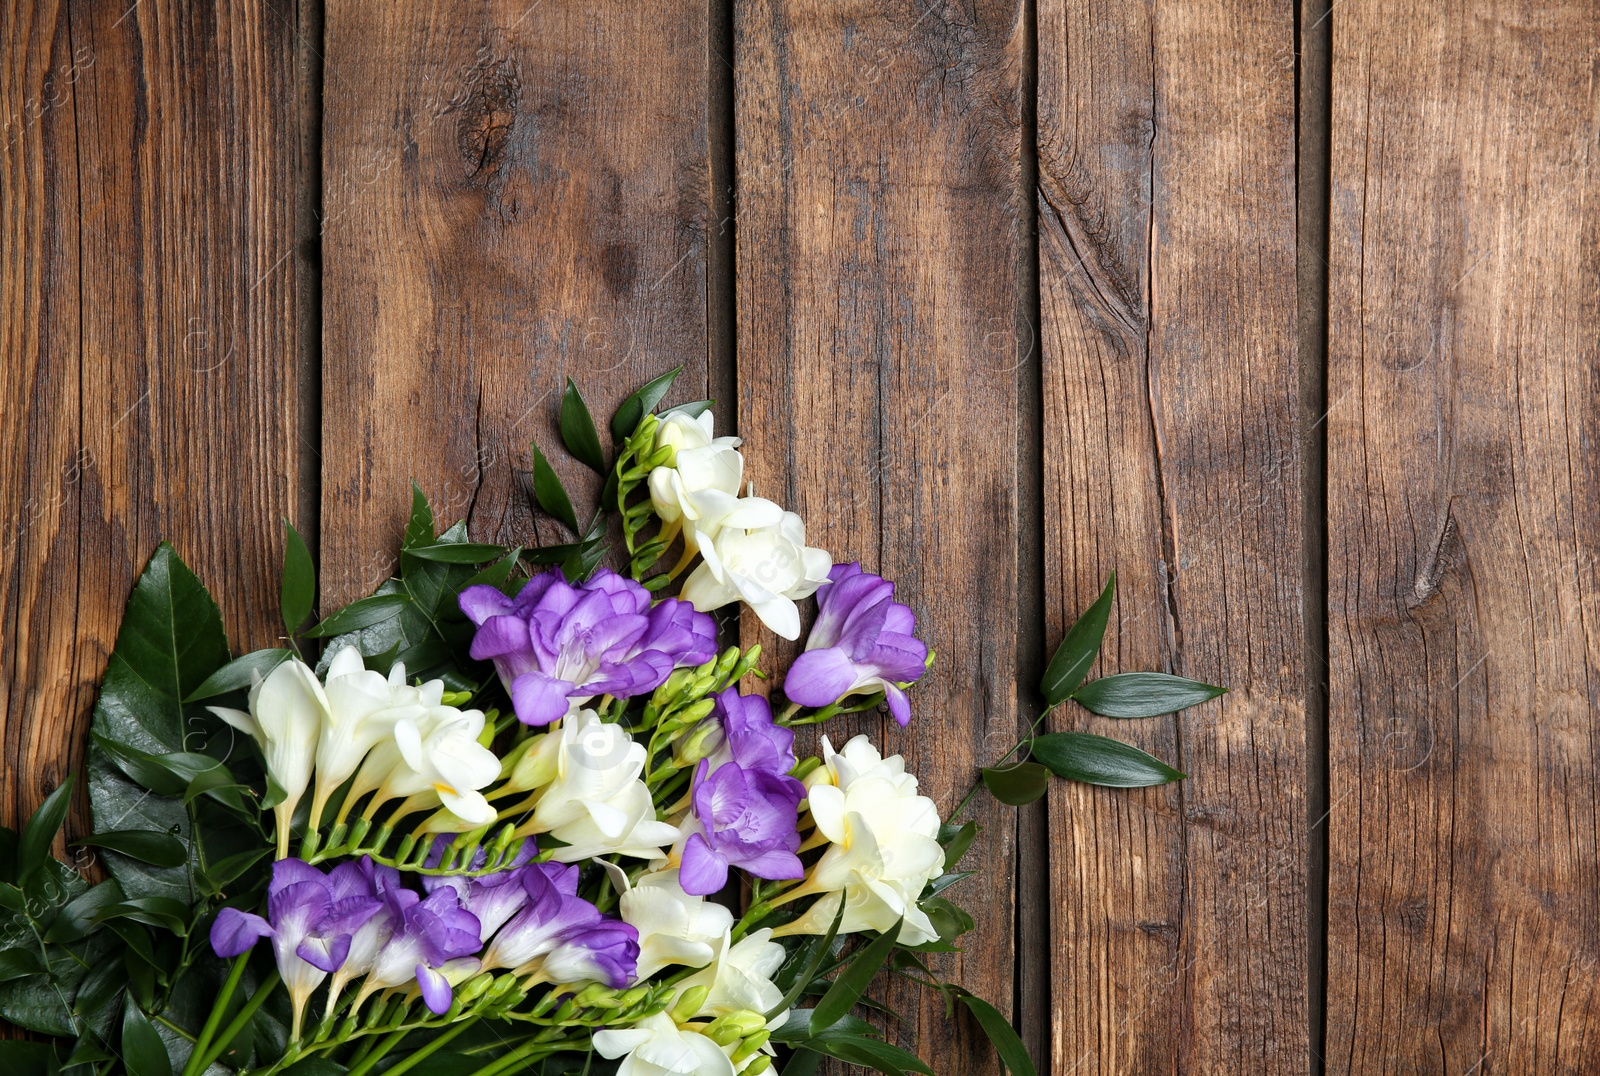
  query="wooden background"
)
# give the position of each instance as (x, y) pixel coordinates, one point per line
(1286, 313)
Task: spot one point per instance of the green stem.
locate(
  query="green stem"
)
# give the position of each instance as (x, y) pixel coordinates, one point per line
(433, 1047)
(525, 1052)
(217, 1010)
(389, 1042)
(238, 1023)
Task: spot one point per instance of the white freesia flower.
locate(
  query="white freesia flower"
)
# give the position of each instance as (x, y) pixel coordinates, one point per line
(287, 710)
(768, 567)
(883, 849)
(674, 927)
(363, 708)
(656, 1046)
(740, 980)
(434, 757)
(596, 804)
(699, 486)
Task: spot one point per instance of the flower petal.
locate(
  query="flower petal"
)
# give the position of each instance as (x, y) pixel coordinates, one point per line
(539, 699)
(234, 931)
(821, 677)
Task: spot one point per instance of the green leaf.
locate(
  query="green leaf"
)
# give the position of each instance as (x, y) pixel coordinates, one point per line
(498, 573)
(578, 432)
(227, 869)
(1143, 694)
(240, 673)
(147, 846)
(1001, 1034)
(852, 982)
(142, 1049)
(81, 914)
(163, 912)
(632, 410)
(27, 1058)
(360, 614)
(956, 840)
(869, 1053)
(458, 552)
(41, 830)
(170, 643)
(814, 965)
(797, 1027)
(167, 774)
(1017, 784)
(419, 527)
(299, 589)
(550, 494)
(1100, 760)
(803, 1063)
(15, 963)
(1077, 651)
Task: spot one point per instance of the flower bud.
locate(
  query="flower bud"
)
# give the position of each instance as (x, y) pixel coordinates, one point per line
(672, 688)
(689, 1002)
(703, 741)
(752, 1045)
(537, 765)
(758, 1064)
(474, 988)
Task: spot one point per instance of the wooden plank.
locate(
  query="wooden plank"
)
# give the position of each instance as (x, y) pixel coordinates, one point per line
(879, 242)
(1171, 427)
(514, 193)
(149, 278)
(1462, 504)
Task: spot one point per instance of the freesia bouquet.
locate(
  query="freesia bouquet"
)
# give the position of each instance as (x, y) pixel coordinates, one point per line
(517, 811)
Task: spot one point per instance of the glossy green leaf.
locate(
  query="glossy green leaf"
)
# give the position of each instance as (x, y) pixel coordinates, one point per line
(852, 981)
(1100, 760)
(240, 673)
(1018, 783)
(870, 1053)
(948, 918)
(147, 846)
(170, 643)
(1143, 694)
(1077, 651)
(578, 432)
(956, 840)
(361, 614)
(803, 1063)
(299, 589)
(34, 847)
(458, 552)
(164, 912)
(1001, 1034)
(27, 1058)
(81, 915)
(498, 573)
(224, 871)
(550, 494)
(819, 953)
(143, 1052)
(642, 401)
(17, 962)
(419, 525)
(796, 1027)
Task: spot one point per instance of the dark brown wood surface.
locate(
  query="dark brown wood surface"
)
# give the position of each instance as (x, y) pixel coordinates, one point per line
(878, 287)
(1171, 433)
(513, 194)
(149, 266)
(262, 258)
(1462, 505)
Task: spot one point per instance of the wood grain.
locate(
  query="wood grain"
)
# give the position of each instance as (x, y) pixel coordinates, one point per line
(1171, 429)
(879, 241)
(149, 275)
(514, 193)
(1463, 506)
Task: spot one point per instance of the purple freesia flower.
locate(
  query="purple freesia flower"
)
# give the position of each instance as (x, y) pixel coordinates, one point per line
(557, 925)
(433, 931)
(310, 925)
(861, 643)
(748, 818)
(364, 878)
(750, 737)
(555, 643)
